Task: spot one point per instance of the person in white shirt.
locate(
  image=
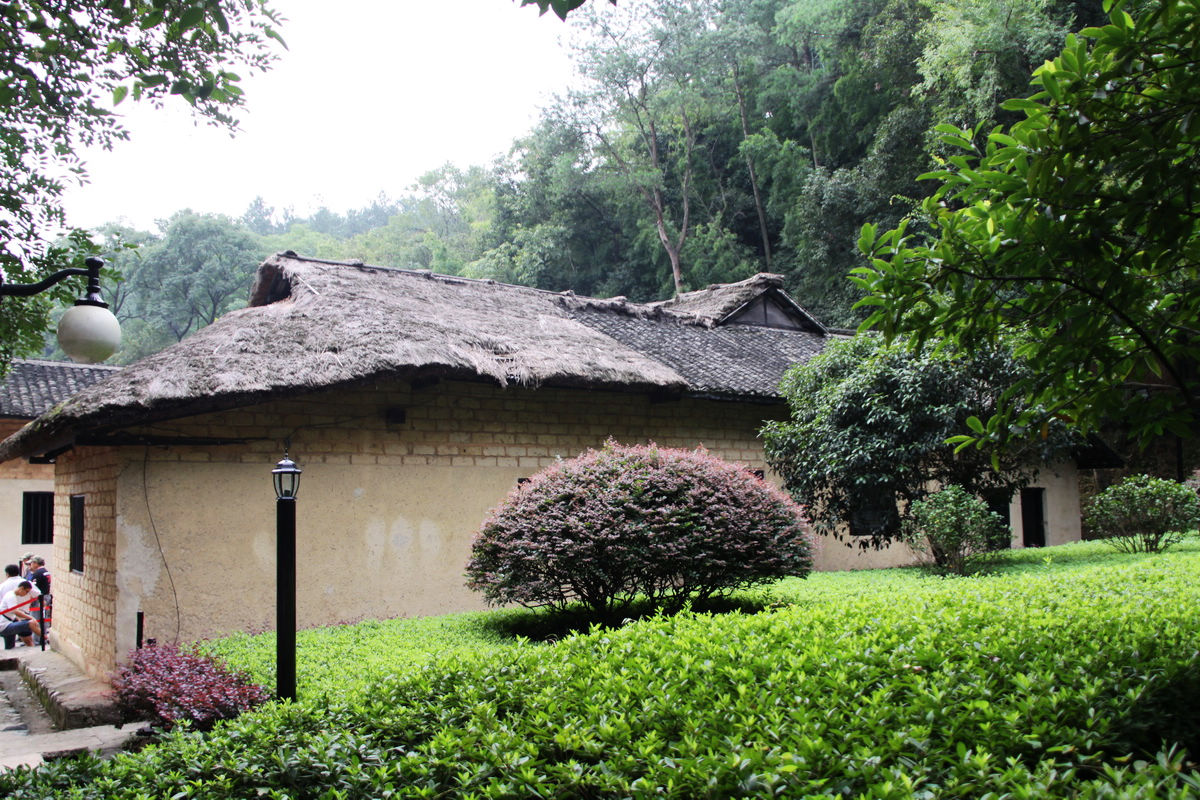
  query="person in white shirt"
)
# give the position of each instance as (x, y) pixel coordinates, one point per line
(20, 623)
(12, 578)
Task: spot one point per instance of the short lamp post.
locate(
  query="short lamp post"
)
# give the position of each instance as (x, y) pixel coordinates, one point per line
(88, 332)
(287, 483)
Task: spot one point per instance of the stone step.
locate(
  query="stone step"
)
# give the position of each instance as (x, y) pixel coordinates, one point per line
(72, 699)
(19, 749)
(50, 709)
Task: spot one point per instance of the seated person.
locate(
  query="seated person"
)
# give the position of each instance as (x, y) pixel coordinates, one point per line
(18, 622)
(12, 576)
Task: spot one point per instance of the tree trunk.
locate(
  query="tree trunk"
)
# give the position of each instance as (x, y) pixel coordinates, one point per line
(758, 205)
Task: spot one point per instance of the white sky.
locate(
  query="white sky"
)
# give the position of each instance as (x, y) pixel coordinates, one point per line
(369, 95)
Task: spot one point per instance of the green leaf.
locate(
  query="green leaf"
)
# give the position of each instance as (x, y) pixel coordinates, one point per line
(192, 17)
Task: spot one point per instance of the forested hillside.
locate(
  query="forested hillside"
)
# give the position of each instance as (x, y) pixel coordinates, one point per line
(704, 141)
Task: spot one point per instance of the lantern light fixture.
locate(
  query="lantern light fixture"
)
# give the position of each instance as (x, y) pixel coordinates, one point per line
(287, 478)
(88, 333)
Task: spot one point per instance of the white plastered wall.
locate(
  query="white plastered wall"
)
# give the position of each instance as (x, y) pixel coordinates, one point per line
(12, 494)
(371, 542)
(1061, 512)
(17, 477)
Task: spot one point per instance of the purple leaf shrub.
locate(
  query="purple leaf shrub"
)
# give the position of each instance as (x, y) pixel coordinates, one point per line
(623, 521)
(169, 686)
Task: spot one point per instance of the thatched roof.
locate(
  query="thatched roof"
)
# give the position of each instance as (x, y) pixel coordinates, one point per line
(315, 324)
(32, 387)
(721, 302)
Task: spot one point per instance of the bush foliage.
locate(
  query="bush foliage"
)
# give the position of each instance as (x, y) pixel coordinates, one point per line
(170, 686)
(868, 432)
(956, 530)
(624, 521)
(1142, 514)
(1071, 679)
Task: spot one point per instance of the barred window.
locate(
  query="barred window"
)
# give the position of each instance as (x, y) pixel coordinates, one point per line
(37, 518)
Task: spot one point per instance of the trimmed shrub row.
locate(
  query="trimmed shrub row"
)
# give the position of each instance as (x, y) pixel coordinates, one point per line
(1061, 684)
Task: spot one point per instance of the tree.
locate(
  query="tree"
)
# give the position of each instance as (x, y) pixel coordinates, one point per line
(561, 7)
(640, 109)
(1074, 233)
(62, 67)
(868, 430)
(978, 53)
(260, 217)
(200, 268)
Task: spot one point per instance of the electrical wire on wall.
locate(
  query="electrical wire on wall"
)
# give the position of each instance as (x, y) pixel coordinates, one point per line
(158, 541)
(341, 422)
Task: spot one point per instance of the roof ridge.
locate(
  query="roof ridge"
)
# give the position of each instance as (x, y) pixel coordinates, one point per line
(45, 362)
(567, 298)
(767, 279)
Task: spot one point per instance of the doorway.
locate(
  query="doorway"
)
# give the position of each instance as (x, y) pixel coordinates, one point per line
(1033, 517)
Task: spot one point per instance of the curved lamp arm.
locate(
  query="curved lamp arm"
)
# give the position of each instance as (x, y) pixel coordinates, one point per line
(88, 332)
(92, 298)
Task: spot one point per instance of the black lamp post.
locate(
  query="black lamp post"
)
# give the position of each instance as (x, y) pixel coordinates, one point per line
(88, 332)
(287, 483)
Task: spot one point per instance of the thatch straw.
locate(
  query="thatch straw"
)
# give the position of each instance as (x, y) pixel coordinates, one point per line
(315, 324)
(342, 324)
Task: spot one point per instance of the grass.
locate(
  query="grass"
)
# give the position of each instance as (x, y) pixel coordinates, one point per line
(1072, 672)
(343, 659)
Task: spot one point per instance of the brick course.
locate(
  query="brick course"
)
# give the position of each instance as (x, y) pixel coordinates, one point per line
(85, 603)
(464, 424)
(20, 468)
(493, 435)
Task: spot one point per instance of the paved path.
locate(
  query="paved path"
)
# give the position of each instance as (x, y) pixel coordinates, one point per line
(49, 709)
(20, 748)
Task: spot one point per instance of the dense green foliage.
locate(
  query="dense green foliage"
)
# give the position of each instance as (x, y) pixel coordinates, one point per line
(957, 531)
(63, 66)
(1142, 514)
(705, 140)
(1073, 232)
(868, 429)
(1072, 675)
(637, 521)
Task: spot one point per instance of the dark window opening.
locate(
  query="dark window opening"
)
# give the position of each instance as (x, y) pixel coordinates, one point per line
(875, 518)
(76, 559)
(1033, 517)
(37, 518)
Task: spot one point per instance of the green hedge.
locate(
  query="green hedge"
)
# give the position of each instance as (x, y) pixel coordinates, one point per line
(1047, 683)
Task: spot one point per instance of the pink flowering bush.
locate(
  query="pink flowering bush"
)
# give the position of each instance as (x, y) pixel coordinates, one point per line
(621, 522)
(168, 686)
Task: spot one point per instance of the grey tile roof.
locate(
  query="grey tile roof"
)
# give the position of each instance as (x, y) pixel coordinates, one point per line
(33, 387)
(729, 360)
